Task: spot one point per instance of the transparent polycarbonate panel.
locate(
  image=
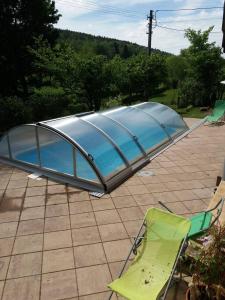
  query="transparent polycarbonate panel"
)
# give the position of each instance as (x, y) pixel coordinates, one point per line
(83, 168)
(106, 157)
(119, 135)
(147, 130)
(171, 121)
(55, 152)
(4, 149)
(23, 144)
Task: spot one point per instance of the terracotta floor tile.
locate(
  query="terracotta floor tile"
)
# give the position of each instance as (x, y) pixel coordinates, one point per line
(58, 260)
(56, 199)
(32, 213)
(57, 239)
(138, 189)
(57, 210)
(4, 263)
(82, 220)
(107, 217)
(185, 195)
(79, 196)
(102, 204)
(8, 229)
(145, 199)
(130, 214)
(124, 201)
(31, 227)
(120, 191)
(89, 255)
(117, 250)
(87, 235)
(36, 191)
(56, 189)
(22, 288)
(133, 227)
(96, 284)
(34, 201)
(25, 244)
(25, 265)
(80, 207)
(15, 193)
(6, 246)
(59, 285)
(57, 223)
(34, 182)
(112, 232)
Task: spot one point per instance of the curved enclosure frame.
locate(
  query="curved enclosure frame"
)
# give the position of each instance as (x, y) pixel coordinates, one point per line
(95, 151)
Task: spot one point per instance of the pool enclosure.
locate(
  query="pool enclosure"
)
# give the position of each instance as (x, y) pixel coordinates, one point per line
(94, 151)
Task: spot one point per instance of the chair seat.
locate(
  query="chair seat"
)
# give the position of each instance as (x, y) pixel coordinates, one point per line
(200, 222)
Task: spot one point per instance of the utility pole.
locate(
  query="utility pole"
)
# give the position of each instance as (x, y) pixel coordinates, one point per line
(150, 18)
(223, 28)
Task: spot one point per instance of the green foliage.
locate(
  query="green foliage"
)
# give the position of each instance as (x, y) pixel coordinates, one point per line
(21, 21)
(203, 69)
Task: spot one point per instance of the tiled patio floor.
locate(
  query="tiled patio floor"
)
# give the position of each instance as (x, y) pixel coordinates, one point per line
(57, 242)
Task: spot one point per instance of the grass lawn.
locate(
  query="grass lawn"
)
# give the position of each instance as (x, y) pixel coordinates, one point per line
(169, 98)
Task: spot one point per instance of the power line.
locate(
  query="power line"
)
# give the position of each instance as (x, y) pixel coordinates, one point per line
(189, 20)
(189, 9)
(181, 30)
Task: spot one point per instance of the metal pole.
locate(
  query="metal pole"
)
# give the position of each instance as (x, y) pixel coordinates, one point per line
(150, 18)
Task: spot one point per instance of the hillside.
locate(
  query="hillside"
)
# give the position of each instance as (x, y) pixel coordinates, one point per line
(90, 44)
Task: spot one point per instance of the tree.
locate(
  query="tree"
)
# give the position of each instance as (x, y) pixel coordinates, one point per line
(21, 21)
(176, 66)
(204, 66)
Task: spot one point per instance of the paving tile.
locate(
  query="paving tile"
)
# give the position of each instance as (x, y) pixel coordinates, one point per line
(56, 189)
(138, 189)
(34, 201)
(82, 220)
(4, 263)
(31, 227)
(96, 284)
(87, 235)
(185, 195)
(59, 285)
(25, 244)
(80, 207)
(18, 174)
(115, 268)
(20, 183)
(195, 205)
(32, 213)
(35, 191)
(120, 191)
(57, 239)
(56, 199)
(6, 246)
(25, 288)
(203, 192)
(107, 217)
(157, 187)
(102, 204)
(190, 169)
(1, 288)
(57, 210)
(58, 260)
(9, 216)
(112, 232)
(117, 250)
(57, 223)
(132, 227)
(99, 296)
(15, 193)
(89, 255)
(166, 197)
(124, 201)
(131, 213)
(25, 265)
(8, 229)
(175, 185)
(35, 182)
(78, 196)
(145, 199)
(178, 208)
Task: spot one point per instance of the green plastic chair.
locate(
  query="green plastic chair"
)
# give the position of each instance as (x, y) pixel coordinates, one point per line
(218, 112)
(203, 221)
(150, 274)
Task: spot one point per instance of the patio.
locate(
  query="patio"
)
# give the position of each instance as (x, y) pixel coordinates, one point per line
(57, 242)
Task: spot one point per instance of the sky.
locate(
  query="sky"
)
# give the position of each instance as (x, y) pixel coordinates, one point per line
(126, 20)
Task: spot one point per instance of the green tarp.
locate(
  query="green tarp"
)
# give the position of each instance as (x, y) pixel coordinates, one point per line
(151, 268)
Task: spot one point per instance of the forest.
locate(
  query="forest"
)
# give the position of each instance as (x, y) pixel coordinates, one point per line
(47, 73)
